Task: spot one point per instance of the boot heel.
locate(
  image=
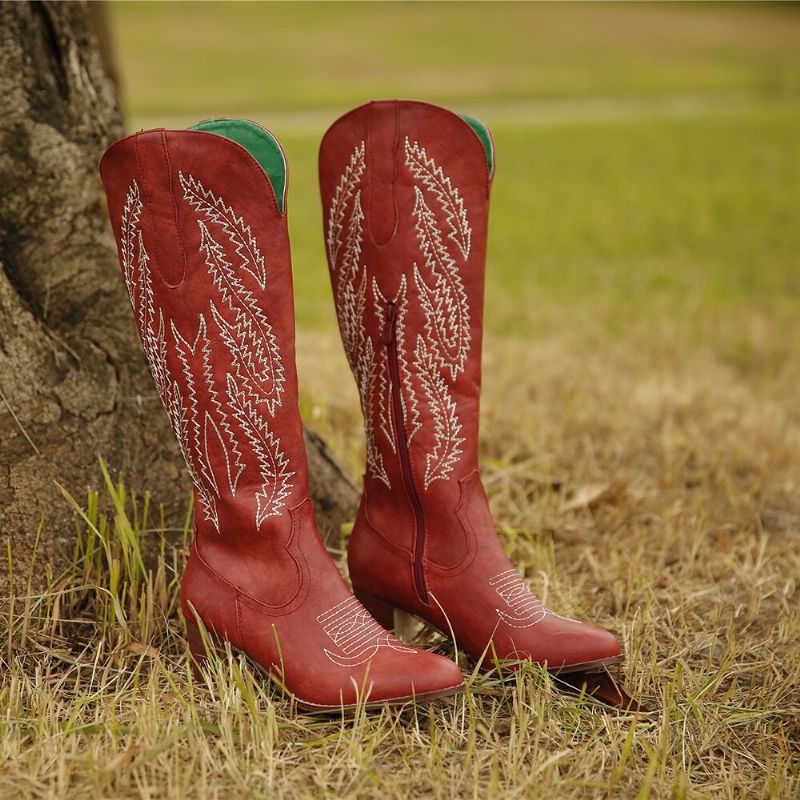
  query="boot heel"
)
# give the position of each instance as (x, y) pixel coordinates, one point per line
(381, 610)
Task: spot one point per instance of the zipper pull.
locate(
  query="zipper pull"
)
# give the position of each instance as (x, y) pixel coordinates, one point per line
(390, 325)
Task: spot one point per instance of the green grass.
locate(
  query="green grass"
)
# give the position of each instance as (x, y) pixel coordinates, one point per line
(223, 58)
(615, 206)
(596, 225)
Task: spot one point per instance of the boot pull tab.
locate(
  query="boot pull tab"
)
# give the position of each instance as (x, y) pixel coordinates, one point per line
(390, 324)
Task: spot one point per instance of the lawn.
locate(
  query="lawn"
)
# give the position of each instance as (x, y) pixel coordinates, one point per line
(640, 424)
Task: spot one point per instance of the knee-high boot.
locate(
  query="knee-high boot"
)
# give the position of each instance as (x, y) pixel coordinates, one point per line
(405, 193)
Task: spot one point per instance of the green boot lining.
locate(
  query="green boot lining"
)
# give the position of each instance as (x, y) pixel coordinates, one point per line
(259, 142)
(263, 146)
(484, 136)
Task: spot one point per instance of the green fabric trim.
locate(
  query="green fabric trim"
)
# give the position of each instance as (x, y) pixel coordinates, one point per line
(484, 136)
(260, 143)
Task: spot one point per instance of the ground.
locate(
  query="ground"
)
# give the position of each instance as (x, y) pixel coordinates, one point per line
(640, 427)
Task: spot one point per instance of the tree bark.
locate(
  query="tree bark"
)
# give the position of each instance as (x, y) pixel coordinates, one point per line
(73, 381)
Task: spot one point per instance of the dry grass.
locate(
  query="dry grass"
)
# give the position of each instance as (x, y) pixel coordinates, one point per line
(655, 495)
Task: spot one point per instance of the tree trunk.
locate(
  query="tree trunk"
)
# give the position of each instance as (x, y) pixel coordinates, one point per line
(73, 381)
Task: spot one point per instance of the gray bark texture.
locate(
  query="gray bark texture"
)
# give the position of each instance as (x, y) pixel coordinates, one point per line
(73, 381)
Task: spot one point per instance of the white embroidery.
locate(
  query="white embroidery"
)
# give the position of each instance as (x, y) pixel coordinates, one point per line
(442, 347)
(234, 465)
(131, 213)
(139, 282)
(445, 302)
(350, 291)
(195, 453)
(208, 422)
(250, 338)
(356, 635)
(272, 463)
(140, 291)
(344, 191)
(447, 447)
(215, 210)
(425, 169)
(523, 608)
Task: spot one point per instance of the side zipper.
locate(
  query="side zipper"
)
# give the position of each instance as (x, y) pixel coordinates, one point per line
(390, 341)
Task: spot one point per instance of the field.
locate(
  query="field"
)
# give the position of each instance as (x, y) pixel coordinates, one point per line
(640, 429)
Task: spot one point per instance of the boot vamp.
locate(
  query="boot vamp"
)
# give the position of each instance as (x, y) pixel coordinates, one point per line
(494, 614)
(309, 633)
(341, 656)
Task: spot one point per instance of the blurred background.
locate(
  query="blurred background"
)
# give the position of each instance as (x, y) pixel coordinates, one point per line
(648, 177)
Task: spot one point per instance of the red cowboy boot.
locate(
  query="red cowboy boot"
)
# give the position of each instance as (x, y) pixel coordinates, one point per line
(405, 194)
(200, 225)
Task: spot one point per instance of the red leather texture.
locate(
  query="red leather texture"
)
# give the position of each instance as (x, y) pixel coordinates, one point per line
(405, 194)
(205, 256)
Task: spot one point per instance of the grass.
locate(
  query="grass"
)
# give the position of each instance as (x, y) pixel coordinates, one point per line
(640, 423)
(236, 58)
(597, 224)
(660, 500)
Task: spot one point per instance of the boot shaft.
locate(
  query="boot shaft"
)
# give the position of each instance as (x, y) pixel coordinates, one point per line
(204, 252)
(405, 191)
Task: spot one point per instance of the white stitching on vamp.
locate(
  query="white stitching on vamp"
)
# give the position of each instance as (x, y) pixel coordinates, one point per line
(357, 636)
(525, 609)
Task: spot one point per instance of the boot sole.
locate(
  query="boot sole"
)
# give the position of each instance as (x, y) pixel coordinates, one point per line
(383, 611)
(199, 656)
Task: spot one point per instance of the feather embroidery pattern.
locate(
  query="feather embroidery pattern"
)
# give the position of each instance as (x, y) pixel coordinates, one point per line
(439, 351)
(150, 320)
(220, 416)
(350, 290)
(344, 191)
(408, 399)
(194, 448)
(215, 210)
(425, 169)
(447, 428)
(445, 301)
(255, 348)
(442, 347)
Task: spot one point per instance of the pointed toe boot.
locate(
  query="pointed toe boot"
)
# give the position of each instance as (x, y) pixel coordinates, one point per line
(200, 225)
(405, 193)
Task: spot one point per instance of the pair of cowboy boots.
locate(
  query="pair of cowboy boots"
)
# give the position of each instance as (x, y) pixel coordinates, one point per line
(199, 216)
